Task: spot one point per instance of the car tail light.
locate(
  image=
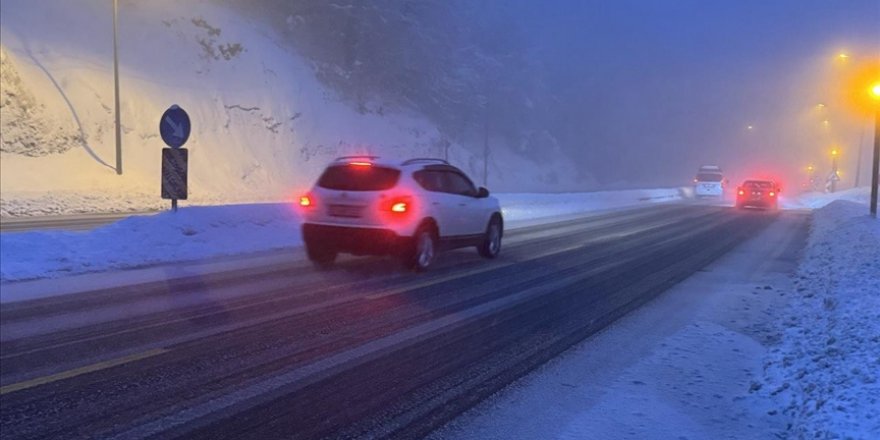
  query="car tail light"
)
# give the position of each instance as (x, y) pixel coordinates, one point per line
(306, 201)
(398, 205)
(772, 194)
(741, 192)
(360, 164)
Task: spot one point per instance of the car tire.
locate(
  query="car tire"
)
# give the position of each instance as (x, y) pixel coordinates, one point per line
(491, 245)
(421, 250)
(322, 258)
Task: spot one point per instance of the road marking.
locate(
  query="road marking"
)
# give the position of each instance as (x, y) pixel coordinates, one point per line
(11, 388)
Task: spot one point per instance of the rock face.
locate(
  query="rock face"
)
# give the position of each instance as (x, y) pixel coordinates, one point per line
(25, 126)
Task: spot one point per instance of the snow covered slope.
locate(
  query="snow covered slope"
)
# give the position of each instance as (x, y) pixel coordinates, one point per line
(825, 368)
(263, 126)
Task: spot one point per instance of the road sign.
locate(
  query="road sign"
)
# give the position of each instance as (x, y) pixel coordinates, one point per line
(174, 171)
(174, 126)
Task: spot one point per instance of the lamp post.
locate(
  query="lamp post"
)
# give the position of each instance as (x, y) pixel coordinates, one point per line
(811, 178)
(834, 176)
(875, 169)
(116, 91)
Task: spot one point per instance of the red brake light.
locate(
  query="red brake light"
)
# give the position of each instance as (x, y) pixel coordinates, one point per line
(772, 194)
(399, 207)
(360, 164)
(306, 201)
(741, 192)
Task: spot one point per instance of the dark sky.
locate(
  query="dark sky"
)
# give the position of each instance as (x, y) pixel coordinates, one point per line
(655, 88)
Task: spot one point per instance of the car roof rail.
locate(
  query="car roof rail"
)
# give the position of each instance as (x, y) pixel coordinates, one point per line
(363, 156)
(424, 159)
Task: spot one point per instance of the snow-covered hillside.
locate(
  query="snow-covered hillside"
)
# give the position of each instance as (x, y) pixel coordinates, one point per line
(263, 126)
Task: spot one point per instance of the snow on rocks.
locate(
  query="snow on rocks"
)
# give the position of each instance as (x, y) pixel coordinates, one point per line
(826, 368)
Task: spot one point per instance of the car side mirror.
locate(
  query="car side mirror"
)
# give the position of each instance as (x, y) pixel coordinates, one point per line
(482, 193)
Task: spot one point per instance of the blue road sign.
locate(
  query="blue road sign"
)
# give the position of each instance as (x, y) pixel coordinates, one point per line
(174, 126)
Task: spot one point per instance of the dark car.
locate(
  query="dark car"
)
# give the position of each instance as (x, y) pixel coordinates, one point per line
(758, 194)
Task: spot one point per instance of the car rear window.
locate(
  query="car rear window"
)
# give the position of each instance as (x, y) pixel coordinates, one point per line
(709, 177)
(359, 178)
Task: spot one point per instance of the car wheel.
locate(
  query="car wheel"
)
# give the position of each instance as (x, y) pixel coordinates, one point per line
(322, 258)
(422, 250)
(491, 245)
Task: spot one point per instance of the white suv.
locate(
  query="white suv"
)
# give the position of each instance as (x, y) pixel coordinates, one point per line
(366, 206)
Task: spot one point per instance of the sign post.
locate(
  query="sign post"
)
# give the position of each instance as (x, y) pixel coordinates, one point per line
(174, 128)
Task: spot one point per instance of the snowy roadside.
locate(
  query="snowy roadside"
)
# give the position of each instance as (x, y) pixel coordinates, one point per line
(683, 366)
(202, 232)
(771, 341)
(827, 365)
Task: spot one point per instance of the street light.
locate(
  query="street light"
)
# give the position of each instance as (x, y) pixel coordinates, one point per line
(116, 91)
(875, 96)
(835, 176)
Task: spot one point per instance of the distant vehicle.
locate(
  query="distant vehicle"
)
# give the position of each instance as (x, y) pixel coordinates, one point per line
(411, 209)
(709, 182)
(758, 194)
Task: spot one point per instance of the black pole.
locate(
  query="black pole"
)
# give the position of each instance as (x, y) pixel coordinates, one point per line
(116, 90)
(173, 205)
(486, 151)
(833, 173)
(875, 170)
(859, 158)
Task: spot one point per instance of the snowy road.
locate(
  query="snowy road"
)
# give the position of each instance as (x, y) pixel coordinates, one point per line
(359, 351)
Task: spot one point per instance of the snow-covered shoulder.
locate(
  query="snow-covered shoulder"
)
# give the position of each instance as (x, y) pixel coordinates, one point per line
(826, 367)
(192, 233)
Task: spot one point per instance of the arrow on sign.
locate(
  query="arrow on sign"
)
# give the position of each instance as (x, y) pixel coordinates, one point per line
(178, 128)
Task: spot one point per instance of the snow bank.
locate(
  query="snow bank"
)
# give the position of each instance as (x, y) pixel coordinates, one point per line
(523, 207)
(204, 232)
(815, 200)
(827, 366)
(191, 234)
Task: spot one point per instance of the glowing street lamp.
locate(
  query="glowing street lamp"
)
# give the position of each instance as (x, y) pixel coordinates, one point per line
(860, 89)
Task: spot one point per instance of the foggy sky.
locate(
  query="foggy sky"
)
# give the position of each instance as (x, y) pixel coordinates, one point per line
(652, 89)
